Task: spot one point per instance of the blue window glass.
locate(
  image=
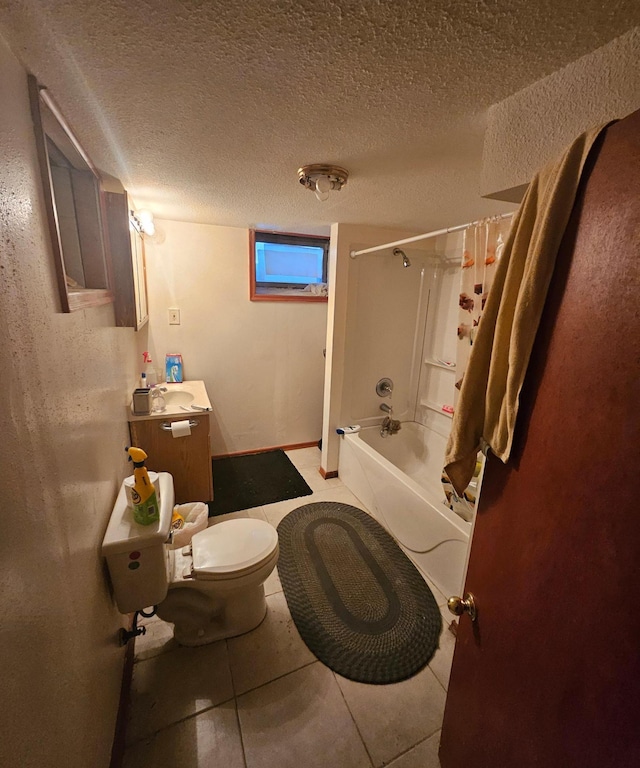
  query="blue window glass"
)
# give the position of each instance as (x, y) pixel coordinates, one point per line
(280, 263)
(289, 264)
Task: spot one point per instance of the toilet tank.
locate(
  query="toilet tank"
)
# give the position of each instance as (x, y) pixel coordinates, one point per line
(136, 555)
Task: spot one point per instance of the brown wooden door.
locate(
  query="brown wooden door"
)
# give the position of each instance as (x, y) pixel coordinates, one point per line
(549, 675)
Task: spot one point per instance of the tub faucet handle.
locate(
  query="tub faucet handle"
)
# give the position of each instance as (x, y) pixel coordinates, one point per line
(384, 387)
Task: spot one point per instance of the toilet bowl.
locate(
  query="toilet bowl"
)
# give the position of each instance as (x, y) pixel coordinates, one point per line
(210, 589)
(216, 586)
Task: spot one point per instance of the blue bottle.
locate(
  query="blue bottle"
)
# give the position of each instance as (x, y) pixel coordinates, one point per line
(173, 369)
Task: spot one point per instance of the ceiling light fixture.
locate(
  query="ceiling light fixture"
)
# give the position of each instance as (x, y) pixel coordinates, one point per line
(322, 179)
(143, 222)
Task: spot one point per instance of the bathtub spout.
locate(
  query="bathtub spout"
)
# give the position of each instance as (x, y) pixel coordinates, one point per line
(389, 426)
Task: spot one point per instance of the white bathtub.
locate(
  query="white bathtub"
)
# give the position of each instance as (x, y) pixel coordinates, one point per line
(398, 479)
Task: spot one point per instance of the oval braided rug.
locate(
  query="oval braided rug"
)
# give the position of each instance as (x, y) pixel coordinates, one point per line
(359, 603)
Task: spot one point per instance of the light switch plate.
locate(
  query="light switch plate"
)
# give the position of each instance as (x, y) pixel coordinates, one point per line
(174, 317)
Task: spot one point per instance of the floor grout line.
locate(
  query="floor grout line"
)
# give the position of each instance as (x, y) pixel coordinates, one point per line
(436, 676)
(346, 703)
(442, 685)
(397, 757)
(279, 677)
(244, 753)
(153, 734)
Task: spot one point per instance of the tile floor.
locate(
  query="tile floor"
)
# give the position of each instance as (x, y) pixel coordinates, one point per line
(262, 700)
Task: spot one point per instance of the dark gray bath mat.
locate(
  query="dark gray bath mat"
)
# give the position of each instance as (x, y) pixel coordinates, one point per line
(242, 482)
(356, 598)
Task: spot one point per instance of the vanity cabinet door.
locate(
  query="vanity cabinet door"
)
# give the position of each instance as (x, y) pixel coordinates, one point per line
(188, 459)
(129, 268)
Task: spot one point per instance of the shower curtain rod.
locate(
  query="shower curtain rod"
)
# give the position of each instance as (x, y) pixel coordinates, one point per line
(428, 235)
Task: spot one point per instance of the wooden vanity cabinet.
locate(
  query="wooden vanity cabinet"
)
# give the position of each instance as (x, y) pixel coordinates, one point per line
(188, 459)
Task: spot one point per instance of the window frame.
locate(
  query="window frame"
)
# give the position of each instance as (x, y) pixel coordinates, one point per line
(300, 295)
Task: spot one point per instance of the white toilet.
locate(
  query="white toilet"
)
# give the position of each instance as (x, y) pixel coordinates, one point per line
(211, 589)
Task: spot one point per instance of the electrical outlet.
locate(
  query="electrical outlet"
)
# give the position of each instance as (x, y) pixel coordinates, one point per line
(174, 317)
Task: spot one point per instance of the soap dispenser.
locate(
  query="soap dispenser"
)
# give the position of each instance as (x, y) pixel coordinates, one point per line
(152, 378)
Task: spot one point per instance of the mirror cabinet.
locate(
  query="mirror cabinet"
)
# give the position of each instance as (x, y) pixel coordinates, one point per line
(74, 204)
(97, 248)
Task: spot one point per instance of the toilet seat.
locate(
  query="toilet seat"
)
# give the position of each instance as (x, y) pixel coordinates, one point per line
(232, 549)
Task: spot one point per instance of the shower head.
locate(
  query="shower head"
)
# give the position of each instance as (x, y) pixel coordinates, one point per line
(405, 258)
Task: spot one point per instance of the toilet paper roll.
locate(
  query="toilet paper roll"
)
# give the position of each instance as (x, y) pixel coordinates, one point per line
(180, 428)
(129, 483)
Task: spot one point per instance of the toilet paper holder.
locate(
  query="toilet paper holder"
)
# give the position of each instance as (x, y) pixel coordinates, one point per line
(166, 425)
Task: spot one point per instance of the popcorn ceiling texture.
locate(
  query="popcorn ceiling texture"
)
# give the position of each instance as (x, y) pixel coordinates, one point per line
(205, 110)
(534, 125)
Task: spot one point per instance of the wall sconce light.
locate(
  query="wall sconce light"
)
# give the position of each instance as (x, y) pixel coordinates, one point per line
(322, 179)
(143, 221)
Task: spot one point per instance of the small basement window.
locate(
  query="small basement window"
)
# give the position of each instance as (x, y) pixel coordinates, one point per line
(287, 267)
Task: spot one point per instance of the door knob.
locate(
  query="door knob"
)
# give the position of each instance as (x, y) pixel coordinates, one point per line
(458, 605)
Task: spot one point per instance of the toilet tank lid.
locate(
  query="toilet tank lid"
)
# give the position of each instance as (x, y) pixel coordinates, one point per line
(233, 545)
(125, 535)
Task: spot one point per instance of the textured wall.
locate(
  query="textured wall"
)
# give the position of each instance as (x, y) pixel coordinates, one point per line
(261, 362)
(386, 306)
(534, 125)
(364, 343)
(63, 383)
(378, 327)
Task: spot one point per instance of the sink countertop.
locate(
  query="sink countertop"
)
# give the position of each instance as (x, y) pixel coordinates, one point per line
(195, 388)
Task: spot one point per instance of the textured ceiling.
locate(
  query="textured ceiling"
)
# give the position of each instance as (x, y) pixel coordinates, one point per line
(205, 110)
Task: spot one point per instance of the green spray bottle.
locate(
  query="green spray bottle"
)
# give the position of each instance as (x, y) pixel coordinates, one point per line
(145, 501)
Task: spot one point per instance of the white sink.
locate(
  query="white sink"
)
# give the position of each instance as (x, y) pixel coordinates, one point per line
(177, 397)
